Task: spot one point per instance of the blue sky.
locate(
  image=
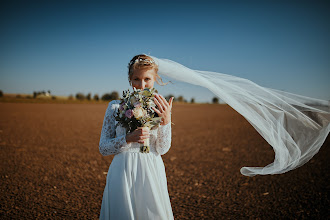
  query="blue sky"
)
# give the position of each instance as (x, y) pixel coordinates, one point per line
(84, 46)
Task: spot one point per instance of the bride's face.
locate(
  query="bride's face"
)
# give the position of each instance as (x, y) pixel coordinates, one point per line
(142, 79)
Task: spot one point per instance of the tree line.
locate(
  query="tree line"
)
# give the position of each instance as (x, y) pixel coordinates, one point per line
(114, 95)
(105, 97)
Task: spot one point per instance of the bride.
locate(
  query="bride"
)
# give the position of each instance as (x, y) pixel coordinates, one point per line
(295, 126)
(136, 185)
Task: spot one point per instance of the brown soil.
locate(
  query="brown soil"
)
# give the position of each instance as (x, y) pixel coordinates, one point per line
(51, 166)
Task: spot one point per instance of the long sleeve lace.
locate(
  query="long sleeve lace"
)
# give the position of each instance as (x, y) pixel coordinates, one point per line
(109, 143)
(163, 142)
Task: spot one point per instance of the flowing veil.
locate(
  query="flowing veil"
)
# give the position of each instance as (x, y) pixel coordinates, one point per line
(295, 126)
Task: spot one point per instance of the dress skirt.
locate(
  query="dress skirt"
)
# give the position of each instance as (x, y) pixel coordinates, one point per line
(136, 188)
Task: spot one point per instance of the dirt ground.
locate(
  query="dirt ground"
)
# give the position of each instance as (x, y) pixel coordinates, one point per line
(51, 166)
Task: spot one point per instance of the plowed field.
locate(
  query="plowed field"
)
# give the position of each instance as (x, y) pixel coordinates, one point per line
(51, 166)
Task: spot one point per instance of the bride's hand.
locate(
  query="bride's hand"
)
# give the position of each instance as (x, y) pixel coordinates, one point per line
(138, 135)
(164, 108)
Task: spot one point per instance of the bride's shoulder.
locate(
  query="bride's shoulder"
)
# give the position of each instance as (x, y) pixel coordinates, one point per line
(114, 104)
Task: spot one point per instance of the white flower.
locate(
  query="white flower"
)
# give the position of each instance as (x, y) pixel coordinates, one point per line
(139, 112)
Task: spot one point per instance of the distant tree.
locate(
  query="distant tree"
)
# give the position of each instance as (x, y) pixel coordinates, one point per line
(180, 98)
(53, 97)
(80, 96)
(106, 97)
(192, 100)
(115, 95)
(110, 96)
(215, 100)
(1, 93)
(35, 94)
(96, 97)
(70, 97)
(89, 96)
(49, 91)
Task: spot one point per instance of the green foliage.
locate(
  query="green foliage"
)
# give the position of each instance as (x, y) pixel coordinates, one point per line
(180, 99)
(106, 97)
(215, 100)
(115, 95)
(80, 96)
(89, 96)
(1, 93)
(96, 97)
(110, 96)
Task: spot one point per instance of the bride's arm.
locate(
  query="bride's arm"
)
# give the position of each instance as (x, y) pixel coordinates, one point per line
(163, 142)
(109, 143)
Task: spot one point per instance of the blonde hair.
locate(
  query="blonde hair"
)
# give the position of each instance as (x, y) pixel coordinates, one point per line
(143, 61)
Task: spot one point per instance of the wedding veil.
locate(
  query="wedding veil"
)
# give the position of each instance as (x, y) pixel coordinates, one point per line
(295, 126)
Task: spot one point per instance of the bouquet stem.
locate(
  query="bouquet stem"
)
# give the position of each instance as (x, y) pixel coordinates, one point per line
(145, 147)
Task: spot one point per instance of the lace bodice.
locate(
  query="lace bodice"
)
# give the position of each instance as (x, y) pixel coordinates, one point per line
(113, 139)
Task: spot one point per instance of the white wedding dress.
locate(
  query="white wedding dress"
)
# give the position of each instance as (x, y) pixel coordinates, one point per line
(136, 185)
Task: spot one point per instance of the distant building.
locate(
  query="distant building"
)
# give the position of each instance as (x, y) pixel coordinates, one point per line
(41, 94)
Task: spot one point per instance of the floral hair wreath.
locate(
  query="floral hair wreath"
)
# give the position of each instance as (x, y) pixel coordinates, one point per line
(140, 59)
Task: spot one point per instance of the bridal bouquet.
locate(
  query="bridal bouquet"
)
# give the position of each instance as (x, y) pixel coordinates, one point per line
(135, 111)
